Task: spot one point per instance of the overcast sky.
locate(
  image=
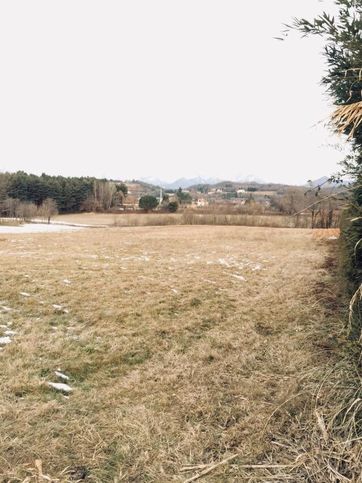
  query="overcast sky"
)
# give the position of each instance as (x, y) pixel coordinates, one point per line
(162, 88)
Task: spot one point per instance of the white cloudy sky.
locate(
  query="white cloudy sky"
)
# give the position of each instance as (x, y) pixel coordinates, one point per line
(163, 88)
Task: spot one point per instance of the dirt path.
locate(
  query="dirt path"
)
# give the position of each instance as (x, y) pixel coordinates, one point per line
(180, 344)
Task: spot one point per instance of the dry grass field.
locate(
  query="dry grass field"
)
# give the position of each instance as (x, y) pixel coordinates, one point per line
(186, 218)
(184, 345)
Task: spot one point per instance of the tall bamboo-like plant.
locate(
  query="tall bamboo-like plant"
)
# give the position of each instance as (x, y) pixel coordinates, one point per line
(343, 79)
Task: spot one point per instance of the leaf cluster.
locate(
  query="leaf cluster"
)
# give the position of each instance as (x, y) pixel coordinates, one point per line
(343, 48)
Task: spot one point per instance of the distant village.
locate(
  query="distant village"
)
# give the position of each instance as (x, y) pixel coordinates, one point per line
(203, 196)
(26, 196)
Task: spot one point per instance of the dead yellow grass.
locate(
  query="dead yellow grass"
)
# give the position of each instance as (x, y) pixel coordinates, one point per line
(124, 219)
(184, 346)
(325, 234)
(186, 218)
(9, 222)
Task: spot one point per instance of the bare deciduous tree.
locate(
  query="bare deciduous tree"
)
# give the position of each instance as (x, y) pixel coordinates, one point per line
(48, 209)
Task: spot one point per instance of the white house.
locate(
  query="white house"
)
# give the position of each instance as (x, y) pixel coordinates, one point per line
(201, 202)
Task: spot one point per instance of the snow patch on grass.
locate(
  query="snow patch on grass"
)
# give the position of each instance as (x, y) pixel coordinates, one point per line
(5, 340)
(60, 386)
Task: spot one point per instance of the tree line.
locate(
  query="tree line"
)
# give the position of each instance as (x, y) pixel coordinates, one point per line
(69, 194)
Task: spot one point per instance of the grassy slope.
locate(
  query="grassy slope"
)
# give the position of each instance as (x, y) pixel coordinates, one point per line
(174, 359)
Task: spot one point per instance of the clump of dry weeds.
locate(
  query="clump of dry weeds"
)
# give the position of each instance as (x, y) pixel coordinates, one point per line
(186, 218)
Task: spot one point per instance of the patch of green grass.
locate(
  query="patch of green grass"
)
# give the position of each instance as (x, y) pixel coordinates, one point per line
(136, 357)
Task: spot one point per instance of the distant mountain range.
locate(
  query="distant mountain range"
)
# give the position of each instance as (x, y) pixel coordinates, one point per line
(181, 182)
(185, 183)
